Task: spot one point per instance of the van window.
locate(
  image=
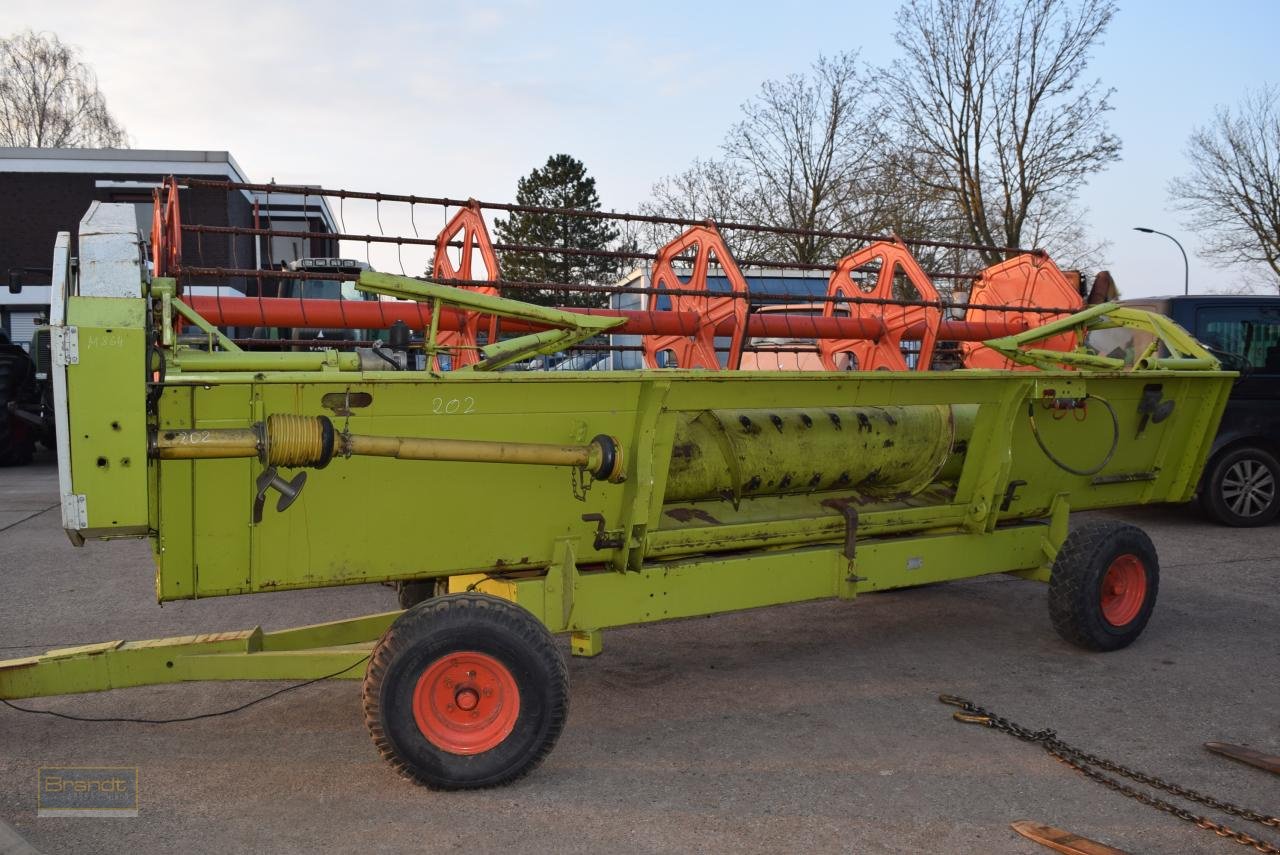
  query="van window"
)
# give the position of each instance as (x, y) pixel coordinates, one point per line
(1252, 332)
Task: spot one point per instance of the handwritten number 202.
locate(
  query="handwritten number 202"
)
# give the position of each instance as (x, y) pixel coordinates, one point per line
(453, 406)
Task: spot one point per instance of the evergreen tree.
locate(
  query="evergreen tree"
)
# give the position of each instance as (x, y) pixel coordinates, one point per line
(562, 183)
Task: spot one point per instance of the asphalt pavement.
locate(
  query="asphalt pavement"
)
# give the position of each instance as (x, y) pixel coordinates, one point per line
(810, 728)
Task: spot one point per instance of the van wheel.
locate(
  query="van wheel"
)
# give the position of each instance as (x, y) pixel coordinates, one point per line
(1243, 488)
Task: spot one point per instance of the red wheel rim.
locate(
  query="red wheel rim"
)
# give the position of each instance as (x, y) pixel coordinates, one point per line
(466, 702)
(1124, 590)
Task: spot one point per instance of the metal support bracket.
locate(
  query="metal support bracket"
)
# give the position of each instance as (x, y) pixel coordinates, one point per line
(850, 532)
(1055, 534)
(561, 578)
(587, 642)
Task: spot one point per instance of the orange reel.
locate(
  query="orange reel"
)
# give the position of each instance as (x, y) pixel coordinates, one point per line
(885, 352)
(1030, 279)
(699, 349)
(166, 229)
(468, 227)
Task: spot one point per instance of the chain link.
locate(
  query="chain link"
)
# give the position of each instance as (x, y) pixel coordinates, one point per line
(1088, 765)
(581, 481)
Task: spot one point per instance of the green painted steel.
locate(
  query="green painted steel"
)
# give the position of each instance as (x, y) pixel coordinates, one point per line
(108, 424)
(741, 490)
(781, 450)
(469, 518)
(336, 649)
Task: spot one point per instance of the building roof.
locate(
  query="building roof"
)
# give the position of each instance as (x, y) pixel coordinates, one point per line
(120, 161)
(151, 162)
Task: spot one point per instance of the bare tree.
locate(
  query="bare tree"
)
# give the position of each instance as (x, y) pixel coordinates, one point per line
(50, 99)
(895, 201)
(1061, 226)
(1232, 192)
(708, 189)
(801, 157)
(993, 95)
(806, 143)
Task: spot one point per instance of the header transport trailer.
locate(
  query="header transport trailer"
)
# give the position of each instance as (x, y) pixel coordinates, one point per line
(563, 502)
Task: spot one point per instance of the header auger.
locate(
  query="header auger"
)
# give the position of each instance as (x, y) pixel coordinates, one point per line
(575, 502)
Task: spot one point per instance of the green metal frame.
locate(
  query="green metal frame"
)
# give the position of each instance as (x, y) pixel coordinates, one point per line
(323, 650)
(1185, 353)
(584, 557)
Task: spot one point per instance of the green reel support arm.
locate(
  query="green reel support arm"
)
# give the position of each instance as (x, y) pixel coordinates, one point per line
(567, 328)
(1183, 353)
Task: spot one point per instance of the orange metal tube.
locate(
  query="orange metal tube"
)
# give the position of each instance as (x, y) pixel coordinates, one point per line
(333, 314)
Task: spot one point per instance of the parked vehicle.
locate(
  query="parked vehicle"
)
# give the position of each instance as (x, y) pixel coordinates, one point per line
(591, 360)
(1241, 482)
(784, 354)
(26, 395)
(318, 289)
(26, 403)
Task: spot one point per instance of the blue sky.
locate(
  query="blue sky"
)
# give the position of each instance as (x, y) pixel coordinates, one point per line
(462, 99)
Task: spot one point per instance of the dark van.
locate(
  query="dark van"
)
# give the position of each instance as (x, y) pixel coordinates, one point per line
(1241, 482)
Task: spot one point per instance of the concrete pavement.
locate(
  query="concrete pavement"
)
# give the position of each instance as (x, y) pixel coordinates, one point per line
(809, 728)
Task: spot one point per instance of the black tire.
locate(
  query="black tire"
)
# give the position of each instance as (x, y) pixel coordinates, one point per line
(1111, 554)
(1242, 488)
(16, 447)
(439, 637)
(16, 441)
(409, 594)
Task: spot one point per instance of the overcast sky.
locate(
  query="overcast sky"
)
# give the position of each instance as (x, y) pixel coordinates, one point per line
(461, 99)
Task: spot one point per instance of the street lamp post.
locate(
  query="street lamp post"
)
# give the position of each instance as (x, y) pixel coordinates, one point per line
(1186, 267)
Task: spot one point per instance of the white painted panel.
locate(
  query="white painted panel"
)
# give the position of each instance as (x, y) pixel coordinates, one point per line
(74, 513)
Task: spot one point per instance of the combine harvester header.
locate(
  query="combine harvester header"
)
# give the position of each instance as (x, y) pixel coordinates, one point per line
(547, 502)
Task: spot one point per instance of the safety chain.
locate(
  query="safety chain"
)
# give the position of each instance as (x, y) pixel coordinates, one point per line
(1084, 763)
(581, 481)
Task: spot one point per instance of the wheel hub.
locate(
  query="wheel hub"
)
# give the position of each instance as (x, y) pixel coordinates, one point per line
(466, 702)
(1124, 590)
(466, 699)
